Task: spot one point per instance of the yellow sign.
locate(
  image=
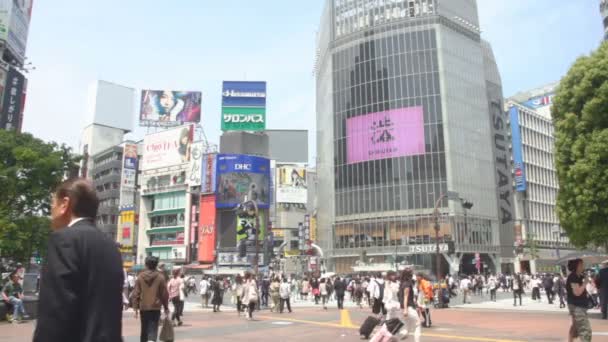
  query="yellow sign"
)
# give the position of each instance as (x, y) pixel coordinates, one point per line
(278, 232)
(313, 229)
(126, 228)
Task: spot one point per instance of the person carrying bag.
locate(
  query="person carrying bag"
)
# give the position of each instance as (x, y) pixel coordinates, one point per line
(166, 332)
(251, 294)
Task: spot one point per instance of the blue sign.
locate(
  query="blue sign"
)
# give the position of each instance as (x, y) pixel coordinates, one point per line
(242, 177)
(244, 94)
(518, 160)
(539, 101)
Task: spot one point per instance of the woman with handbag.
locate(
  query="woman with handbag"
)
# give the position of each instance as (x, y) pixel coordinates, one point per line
(251, 294)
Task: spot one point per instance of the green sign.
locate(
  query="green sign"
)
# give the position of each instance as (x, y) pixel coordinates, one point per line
(243, 118)
(246, 225)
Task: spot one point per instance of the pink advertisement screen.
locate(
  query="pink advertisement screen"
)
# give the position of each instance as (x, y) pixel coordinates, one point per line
(388, 134)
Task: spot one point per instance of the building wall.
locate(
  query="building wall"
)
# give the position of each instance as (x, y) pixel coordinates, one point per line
(106, 172)
(97, 138)
(288, 145)
(604, 12)
(421, 59)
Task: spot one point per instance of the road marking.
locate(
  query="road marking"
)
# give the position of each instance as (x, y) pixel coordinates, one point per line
(600, 333)
(445, 336)
(345, 320)
(282, 323)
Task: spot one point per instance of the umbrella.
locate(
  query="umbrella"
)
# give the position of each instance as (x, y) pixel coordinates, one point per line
(589, 258)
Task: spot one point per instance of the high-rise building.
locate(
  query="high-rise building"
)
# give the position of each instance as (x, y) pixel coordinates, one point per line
(537, 228)
(604, 12)
(409, 119)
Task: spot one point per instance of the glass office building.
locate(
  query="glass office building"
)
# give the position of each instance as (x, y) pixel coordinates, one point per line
(404, 116)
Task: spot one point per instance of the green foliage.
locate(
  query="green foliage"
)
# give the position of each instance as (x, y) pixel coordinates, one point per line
(29, 171)
(580, 115)
(532, 246)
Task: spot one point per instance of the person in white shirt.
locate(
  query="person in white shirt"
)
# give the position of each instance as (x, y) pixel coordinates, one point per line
(377, 293)
(204, 290)
(492, 286)
(285, 293)
(465, 287)
(535, 284)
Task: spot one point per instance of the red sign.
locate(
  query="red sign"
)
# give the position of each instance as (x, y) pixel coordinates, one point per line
(207, 229)
(126, 232)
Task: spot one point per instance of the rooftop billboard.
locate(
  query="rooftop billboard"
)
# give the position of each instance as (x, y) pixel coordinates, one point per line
(169, 107)
(240, 177)
(170, 147)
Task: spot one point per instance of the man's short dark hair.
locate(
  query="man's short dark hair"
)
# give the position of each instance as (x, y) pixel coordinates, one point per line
(151, 262)
(82, 195)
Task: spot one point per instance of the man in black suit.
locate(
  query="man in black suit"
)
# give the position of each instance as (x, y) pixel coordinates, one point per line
(602, 286)
(82, 280)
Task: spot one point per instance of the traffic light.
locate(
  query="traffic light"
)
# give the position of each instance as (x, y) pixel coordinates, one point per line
(466, 204)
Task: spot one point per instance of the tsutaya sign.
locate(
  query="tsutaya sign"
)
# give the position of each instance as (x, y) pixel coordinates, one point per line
(426, 249)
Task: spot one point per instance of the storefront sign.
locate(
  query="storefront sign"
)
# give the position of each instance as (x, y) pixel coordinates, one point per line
(427, 249)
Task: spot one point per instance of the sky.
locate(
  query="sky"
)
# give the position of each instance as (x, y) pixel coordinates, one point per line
(196, 44)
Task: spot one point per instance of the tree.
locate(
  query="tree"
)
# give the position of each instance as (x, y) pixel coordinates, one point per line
(580, 115)
(29, 171)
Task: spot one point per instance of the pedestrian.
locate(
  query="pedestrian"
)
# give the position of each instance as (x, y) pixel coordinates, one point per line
(358, 293)
(251, 294)
(364, 288)
(408, 305)
(535, 284)
(592, 290)
(378, 296)
(518, 289)
(204, 289)
(305, 289)
(285, 292)
(602, 286)
(315, 290)
(492, 286)
(238, 291)
(81, 283)
(578, 301)
(175, 288)
(218, 294)
(265, 291)
(149, 296)
(12, 293)
(330, 288)
(275, 296)
(425, 298)
(340, 288)
(560, 289)
(465, 287)
(548, 285)
(323, 292)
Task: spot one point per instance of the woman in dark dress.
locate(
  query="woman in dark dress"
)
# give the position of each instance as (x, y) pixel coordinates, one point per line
(218, 294)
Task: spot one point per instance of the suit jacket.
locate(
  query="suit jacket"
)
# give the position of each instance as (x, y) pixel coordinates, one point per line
(80, 287)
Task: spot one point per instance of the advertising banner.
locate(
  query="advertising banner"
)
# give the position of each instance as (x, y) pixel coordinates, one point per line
(126, 226)
(246, 228)
(240, 177)
(12, 104)
(540, 101)
(209, 172)
(169, 108)
(243, 94)
(207, 229)
(18, 32)
(171, 147)
(129, 167)
(292, 186)
(5, 16)
(243, 119)
(233, 259)
(243, 106)
(196, 159)
(518, 159)
(388, 134)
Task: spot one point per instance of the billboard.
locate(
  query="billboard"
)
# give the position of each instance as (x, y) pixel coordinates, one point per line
(388, 134)
(129, 167)
(207, 229)
(18, 31)
(243, 106)
(291, 185)
(12, 103)
(518, 160)
(246, 228)
(126, 226)
(241, 176)
(540, 101)
(209, 172)
(170, 147)
(243, 119)
(112, 105)
(196, 158)
(169, 108)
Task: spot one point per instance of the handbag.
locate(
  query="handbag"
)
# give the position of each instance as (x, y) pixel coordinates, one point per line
(166, 332)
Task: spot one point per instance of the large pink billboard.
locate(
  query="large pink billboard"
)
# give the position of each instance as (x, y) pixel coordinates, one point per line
(389, 134)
